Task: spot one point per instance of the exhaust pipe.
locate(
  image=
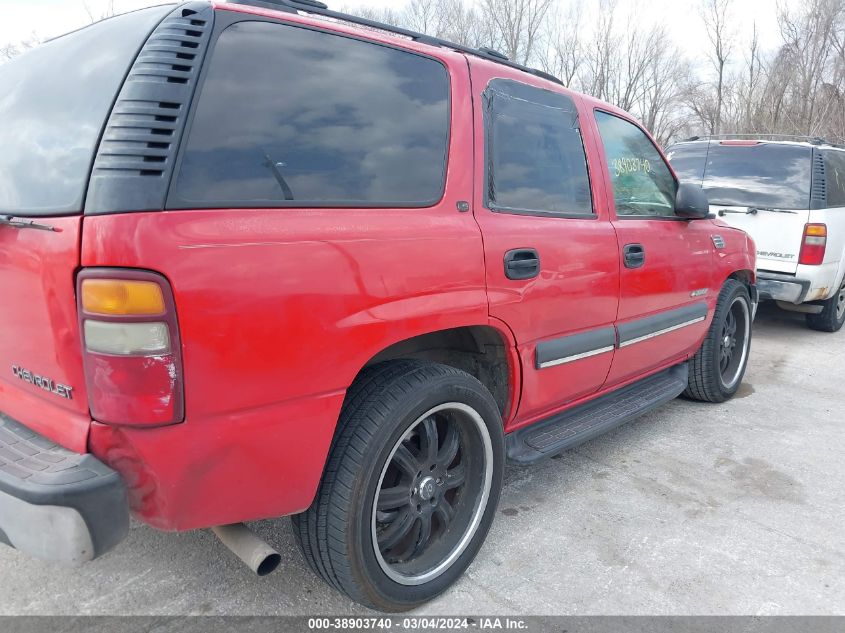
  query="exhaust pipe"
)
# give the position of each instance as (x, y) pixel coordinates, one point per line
(246, 545)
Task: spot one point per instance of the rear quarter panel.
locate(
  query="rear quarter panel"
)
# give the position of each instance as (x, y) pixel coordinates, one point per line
(278, 310)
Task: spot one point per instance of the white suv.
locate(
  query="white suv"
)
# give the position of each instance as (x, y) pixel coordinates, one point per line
(788, 193)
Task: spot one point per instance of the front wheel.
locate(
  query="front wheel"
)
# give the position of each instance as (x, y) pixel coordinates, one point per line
(410, 488)
(716, 371)
(832, 316)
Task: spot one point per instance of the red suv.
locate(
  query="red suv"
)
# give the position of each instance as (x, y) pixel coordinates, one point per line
(255, 262)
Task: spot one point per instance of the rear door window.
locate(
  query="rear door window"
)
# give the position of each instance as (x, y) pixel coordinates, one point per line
(535, 155)
(54, 102)
(643, 185)
(290, 116)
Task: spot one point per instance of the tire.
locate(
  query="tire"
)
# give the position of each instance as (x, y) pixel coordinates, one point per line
(717, 369)
(832, 317)
(364, 533)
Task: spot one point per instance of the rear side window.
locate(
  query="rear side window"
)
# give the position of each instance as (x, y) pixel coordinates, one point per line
(295, 117)
(535, 155)
(54, 102)
(642, 182)
(834, 172)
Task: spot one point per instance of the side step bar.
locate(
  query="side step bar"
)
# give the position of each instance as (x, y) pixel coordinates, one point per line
(576, 426)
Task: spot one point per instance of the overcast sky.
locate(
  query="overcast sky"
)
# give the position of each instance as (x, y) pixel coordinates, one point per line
(48, 18)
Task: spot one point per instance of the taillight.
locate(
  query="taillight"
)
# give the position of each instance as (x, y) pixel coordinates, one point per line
(130, 343)
(813, 245)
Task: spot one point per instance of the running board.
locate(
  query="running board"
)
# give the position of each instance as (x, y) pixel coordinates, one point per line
(576, 426)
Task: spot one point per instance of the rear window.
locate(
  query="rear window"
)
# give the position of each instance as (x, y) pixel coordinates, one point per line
(295, 117)
(834, 171)
(769, 175)
(54, 102)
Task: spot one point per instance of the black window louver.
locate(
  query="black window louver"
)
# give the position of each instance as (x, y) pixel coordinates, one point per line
(818, 187)
(135, 158)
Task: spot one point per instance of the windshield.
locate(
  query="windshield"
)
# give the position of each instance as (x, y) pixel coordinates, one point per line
(765, 175)
(54, 101)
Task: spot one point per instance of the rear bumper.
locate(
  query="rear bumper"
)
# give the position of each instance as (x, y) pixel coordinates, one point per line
(55, 504)
(782, 288)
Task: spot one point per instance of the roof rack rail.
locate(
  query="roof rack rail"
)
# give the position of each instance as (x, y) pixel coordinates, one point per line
(320, 8)
(796, 138)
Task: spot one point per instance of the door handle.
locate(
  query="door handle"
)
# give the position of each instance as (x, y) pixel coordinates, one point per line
(522, 263)
(634, 255)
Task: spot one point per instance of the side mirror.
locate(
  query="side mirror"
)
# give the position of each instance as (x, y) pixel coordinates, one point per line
(691, 202)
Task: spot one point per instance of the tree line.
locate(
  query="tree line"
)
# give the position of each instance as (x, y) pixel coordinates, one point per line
(797, 88)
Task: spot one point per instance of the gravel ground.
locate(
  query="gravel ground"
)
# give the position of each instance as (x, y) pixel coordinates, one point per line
(694, 509)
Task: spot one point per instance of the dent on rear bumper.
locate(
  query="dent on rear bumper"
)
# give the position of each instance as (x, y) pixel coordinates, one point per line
(241, 466)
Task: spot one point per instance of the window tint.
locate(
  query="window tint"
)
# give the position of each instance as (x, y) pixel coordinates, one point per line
(772, 175)
(536, 160)
(291, 117)
(642, 182)
(54, 101)
(834, 171)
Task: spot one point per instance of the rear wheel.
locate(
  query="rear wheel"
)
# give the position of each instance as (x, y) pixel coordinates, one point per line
(410, 488)
(832, 317)
(718, 368)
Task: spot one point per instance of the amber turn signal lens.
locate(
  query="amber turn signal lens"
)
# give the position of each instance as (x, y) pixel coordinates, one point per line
(122, 297)
(816, 230)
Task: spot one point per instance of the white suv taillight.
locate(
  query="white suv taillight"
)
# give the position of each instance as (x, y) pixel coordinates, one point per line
(131, 350)
(813, 245)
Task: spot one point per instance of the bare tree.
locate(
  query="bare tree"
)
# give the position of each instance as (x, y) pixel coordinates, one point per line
(385, 15)
(7, 52)
(810, 38)
(716, 17)
(94, 16)
(599, 57)
(664, 79)
(10, 50)
(518, 25)
(425, 16)
(465, 24)
(563, 55)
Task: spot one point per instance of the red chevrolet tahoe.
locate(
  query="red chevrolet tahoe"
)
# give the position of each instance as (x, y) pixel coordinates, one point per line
(259, 261)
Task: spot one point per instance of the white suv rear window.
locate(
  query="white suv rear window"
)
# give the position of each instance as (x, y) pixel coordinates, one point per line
(769, 175)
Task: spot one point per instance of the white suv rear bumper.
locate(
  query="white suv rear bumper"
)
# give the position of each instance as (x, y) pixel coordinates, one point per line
(782, 288)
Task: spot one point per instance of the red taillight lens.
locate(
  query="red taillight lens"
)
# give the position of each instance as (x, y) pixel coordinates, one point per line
(130, 344)
(813, 245)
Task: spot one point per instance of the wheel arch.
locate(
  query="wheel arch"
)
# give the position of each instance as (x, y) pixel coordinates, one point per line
(748, 277)
(486, 352)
